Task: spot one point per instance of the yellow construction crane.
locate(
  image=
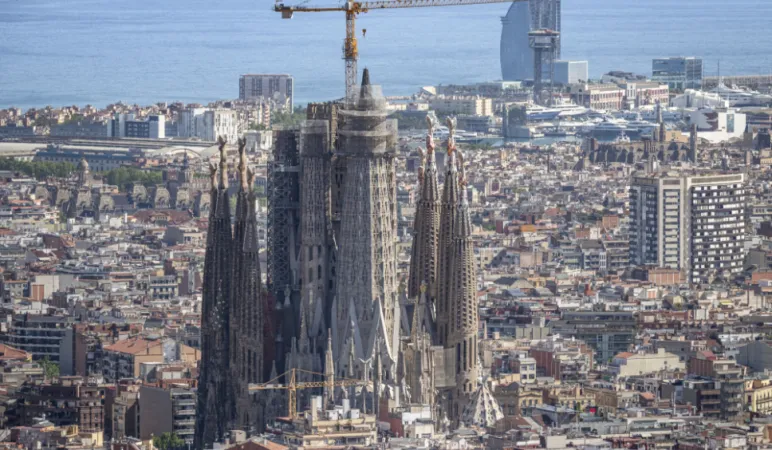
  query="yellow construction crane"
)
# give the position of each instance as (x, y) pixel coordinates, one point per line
(293, 385)
(354, 8)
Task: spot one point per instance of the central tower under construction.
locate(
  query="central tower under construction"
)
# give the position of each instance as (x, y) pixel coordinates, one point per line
(367, 281)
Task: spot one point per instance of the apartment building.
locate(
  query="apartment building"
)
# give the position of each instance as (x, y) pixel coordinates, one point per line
(469, 105)
(694, 223)
(69, 401)
(170, 410)
(208, 124)
(129, 126)
(607, 333)
(627, 364)
(598, 96)
(42, 335)
(122, 410)
(758, 396)
(566, 360)
(125, 358)
(272, 87)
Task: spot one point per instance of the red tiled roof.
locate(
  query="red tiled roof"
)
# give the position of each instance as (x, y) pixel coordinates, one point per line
(8, 353)
(134, 346)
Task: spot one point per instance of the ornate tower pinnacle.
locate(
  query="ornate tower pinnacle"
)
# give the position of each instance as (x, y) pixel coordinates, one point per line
(223, 163)
(329, 373)
(213, 177)
(243, 175)
(451, 123)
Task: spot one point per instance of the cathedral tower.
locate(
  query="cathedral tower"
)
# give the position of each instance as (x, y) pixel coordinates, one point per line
(426, 230)
(449, 203)
(463, 302)
(366, 270)
(213, 411)
(246, 311)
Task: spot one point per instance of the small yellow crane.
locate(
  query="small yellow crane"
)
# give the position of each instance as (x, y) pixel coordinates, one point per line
(292, 385)
(354, 8)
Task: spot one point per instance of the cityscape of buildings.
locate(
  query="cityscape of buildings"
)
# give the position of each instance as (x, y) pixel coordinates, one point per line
(548, 261)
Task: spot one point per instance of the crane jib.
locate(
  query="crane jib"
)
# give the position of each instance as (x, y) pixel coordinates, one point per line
(353, 8)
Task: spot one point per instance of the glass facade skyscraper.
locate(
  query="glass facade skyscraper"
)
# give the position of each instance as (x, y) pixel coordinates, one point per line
(522, 18)
(679, 72)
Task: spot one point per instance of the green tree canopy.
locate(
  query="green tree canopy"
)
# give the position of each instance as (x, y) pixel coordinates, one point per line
(287, 118)
(123, 176)
(50, 368)
(38, 169)
(168, 441)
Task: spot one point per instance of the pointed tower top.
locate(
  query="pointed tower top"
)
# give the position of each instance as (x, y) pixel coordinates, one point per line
(223, 163)
(451, 123)
(243, 169)
(366, 77)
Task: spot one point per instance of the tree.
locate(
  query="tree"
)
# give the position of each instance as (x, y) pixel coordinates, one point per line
(38, 169)
(289, 118)
(125, 175)
(50, 368)
(168, 441)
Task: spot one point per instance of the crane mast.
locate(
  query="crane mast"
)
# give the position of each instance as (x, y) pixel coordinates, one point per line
(353, 8)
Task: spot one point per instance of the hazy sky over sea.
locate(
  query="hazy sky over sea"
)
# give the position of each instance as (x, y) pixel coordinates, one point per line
(101, 51)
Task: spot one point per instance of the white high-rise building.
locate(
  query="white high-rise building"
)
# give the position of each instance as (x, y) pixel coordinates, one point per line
(694, 223)
(278, 88)
(128, 126)
(208, 124)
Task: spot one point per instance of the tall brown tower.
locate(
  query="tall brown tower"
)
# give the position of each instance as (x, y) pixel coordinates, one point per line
(212, 410)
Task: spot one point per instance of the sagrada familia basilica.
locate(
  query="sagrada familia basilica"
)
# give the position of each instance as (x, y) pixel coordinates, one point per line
(335, 306)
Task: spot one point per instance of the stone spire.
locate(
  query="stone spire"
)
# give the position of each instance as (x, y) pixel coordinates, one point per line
(426, 230)
(329, 374)
(463, 300)
(449, 203)
(274, 401)
(214, 406)
(246, 322)
(223, 163)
